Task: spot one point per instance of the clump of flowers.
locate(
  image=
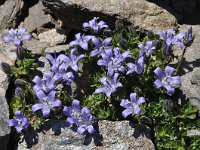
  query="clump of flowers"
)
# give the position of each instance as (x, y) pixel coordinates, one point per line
(82, 118)
(104, 69)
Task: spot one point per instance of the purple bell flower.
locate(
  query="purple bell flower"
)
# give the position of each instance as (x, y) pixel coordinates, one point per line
(46, 102)
(73, 113)
(146, 49)
(82, 118)
(20, 122)
(100, 47)
(166, 80)
(17, 36)
(86, 123)
(112, 60)
(137, 67)
(132, 106)
(46, 83)
(110, 85)
(81, 41)
(95, 26)
(70, 60)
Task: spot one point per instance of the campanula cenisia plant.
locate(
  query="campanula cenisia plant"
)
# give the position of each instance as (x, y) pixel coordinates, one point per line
(119, 74)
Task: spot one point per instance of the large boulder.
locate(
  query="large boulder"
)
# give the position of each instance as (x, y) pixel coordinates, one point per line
(109, 135)
(138, 12)
(9, 9)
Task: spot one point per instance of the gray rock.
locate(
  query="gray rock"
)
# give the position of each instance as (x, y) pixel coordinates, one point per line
(9, 9)
(138, 12)
(36, 17)
(53, 37)
(190, 68)
(4, 129)
(8, 55)
(110, 136)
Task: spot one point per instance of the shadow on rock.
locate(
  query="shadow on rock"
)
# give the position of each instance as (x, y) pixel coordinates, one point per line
(185, 11)
(30, 137)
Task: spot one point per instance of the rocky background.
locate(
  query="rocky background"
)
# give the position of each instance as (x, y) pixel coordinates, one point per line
(50, 23)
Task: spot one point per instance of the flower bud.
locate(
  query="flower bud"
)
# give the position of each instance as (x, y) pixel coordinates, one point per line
(123, 43)
(6, 68)
(20, 83)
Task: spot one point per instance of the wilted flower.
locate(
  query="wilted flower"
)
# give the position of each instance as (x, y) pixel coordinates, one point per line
(167, 105)
(112, 60)
(170, 39)
(166, 80)
(81, 41)
(100, 47)
(46, 102)
(110, 85)
(94, 25)
(189, 37)
(20, 122)
(132, 106)
(137, 67)
(146, 49)
(17, 36)
(19, 93)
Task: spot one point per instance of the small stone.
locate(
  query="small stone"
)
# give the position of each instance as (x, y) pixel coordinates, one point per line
(193, 132)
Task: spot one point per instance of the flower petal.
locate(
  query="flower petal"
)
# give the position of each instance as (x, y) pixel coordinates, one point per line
(36, 107)
(127, 112)
(158, 84)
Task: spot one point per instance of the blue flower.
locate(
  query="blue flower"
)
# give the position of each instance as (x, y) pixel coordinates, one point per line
(82, 118)
(100, 47)
(110, 85)
(46, 102)
(54, 62)
(45, 84)
(94, 25)
(70, 60)
(166, 80)
(132, 106)
(17, 36)
(146, 49)
(81, 41)
(20, 122)
(86, 122)
(137, 67)
(170, 39)
(112, 60)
